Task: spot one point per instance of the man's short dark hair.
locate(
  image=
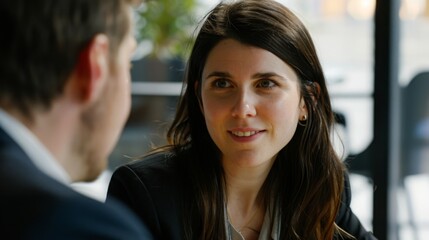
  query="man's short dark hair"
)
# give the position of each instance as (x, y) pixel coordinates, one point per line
(42, 40)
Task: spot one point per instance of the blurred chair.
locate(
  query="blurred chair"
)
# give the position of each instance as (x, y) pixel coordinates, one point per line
(414, 137)
(414, 159)
(414, 133)
(415, 126)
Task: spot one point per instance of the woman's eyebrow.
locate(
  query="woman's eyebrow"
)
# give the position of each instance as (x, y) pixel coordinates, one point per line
(254, 76)
(218, 74)
(268, 75)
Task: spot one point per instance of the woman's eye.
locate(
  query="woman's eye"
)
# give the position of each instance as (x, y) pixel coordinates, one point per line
(266, 84)
(220, 83)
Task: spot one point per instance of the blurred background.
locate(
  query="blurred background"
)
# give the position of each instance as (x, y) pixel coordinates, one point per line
(344, 34)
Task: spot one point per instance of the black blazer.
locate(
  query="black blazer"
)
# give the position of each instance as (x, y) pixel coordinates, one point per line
(152, 188)
(35, 206)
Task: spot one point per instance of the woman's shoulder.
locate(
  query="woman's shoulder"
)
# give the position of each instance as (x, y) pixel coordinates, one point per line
(155, 163)
(154, 168)
(152, 187)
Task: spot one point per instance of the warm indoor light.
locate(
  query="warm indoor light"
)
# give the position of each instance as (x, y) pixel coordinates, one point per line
(333, 8)
(411, 9)
(361, 9)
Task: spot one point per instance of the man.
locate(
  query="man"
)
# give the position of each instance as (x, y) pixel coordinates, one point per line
(64, 98)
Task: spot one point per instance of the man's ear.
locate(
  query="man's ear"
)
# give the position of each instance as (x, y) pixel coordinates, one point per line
(91, 71)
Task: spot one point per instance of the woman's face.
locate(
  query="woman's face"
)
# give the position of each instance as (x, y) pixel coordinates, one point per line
(251, 102)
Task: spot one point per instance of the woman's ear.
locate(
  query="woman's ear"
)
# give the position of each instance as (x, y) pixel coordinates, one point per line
(303, 110)
(314, 90)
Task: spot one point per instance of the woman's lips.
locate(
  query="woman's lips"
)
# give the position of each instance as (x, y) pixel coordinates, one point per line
(245, 135)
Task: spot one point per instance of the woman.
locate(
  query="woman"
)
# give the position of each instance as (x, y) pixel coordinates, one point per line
(250, 155)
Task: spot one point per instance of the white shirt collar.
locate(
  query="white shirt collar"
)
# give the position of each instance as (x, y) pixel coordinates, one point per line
(31, 145)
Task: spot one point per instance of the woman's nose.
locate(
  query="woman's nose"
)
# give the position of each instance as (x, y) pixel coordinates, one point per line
(244, 107)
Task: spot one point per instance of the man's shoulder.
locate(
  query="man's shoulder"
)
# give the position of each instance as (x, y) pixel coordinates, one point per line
(47, 209)
(35, 206)
(79, 216)
(29, 190)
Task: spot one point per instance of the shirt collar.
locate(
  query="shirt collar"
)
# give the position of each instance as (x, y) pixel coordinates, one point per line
(31, 145)
(269, 230)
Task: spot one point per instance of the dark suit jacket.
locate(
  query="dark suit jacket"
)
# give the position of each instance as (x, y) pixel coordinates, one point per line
(35, 206)
(152, 188)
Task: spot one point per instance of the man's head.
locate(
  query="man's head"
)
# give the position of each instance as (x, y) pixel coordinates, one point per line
(44, 42)
(71, 57)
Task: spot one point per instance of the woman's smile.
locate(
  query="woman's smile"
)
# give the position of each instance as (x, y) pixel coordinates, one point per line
(245, 135)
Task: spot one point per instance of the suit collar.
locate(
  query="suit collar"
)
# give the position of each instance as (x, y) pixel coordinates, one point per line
(36, 152)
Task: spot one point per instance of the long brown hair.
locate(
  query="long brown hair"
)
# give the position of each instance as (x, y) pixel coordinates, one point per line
(306, 179)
